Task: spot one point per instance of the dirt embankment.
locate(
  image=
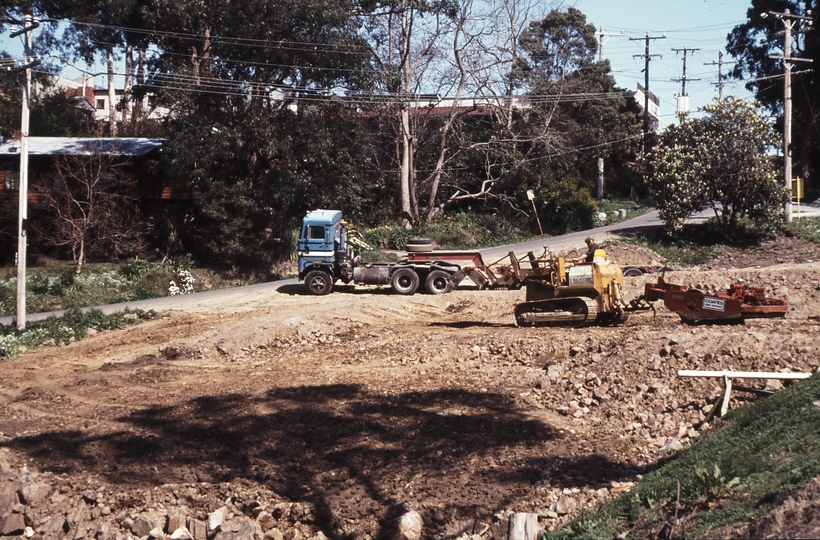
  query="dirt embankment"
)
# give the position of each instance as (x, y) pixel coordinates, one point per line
(331, 417)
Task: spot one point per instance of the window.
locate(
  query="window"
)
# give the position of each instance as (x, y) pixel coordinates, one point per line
(316, 232)
(101, 104)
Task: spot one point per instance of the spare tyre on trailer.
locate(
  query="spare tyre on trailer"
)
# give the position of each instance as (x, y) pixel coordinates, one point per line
(419, 245)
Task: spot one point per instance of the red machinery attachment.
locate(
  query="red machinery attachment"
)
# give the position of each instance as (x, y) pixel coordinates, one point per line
(737, 304)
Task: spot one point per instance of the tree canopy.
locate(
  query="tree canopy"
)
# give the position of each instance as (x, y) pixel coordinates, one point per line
(274, 108)
(757, 45)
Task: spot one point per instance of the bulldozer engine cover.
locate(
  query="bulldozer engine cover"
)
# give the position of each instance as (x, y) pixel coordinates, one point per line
(581, 275)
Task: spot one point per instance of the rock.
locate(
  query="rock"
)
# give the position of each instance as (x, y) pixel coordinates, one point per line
(198, 529)
(142, 526)
(216, 518)
(575, 351)
(102, 530)
(157, 533)
(265, 520)
(34, 493)
(672, 445)
(181, 533)
(555, 372)
(57, 524)
(7, 503)
(566, 505)
(238, 530)
(176, 520)
(273, 534)
(408, 527)
(90, 332)
(773, 385)
(12, 525)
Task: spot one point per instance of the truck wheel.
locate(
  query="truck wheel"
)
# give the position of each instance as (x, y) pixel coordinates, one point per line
(318, 282)
(633, 272)
(438, 282)
(405, 281)
(419, 241)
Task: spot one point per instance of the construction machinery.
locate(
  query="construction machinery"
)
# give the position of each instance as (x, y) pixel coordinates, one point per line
(572, 294)
(733, 305)
(560, 291)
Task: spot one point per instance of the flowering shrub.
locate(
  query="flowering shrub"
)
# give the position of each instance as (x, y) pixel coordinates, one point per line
(721, 161)
(183, 283)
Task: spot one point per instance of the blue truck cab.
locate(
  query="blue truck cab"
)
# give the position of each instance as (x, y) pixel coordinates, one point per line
(327, 254)
(323, 250)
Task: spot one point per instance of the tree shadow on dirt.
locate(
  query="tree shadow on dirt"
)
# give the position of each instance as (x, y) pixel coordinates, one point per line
(346, 450)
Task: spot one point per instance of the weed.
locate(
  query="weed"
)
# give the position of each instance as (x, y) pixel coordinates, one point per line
(714, 483)
(805, 229)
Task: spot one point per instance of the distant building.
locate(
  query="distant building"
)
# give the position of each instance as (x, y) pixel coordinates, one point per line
(654, 107)
(44, 150)
(94, 99)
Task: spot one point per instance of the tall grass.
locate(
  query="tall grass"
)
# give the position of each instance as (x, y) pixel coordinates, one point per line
(54, 289)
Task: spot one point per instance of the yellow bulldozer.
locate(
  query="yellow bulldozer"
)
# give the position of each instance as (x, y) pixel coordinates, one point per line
(560, 291)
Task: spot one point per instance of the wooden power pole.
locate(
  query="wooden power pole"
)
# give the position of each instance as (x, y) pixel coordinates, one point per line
(647, 58)
(789, 20)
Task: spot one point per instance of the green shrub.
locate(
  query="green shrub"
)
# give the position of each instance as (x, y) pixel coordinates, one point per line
(72, 326)
(136, 269)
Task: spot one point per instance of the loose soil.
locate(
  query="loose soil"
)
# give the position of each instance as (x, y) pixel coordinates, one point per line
(329, 417)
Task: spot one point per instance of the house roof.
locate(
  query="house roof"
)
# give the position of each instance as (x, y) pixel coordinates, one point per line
(78, 146)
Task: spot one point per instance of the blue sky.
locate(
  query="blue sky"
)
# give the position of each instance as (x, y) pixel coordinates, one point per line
(686, 23)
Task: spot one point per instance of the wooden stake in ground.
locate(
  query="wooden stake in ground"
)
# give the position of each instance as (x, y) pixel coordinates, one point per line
(524, 526)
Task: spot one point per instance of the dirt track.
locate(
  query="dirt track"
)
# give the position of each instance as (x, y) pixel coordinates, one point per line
(333, 415)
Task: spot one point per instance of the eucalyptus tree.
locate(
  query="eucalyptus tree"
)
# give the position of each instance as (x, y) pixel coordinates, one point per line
(254, 126)
(405, 39)
(757, 45)
(569, 113)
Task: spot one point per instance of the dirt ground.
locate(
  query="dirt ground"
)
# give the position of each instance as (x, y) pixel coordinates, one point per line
(330, 417)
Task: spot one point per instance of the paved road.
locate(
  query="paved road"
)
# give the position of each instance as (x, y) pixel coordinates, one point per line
(238, 295)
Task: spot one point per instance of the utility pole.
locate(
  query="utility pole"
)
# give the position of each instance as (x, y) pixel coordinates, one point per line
(647, 57)
(789, 20)
(599, 186)
(720, 82)
(683, 102)
(29, 24)
(601, 41)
